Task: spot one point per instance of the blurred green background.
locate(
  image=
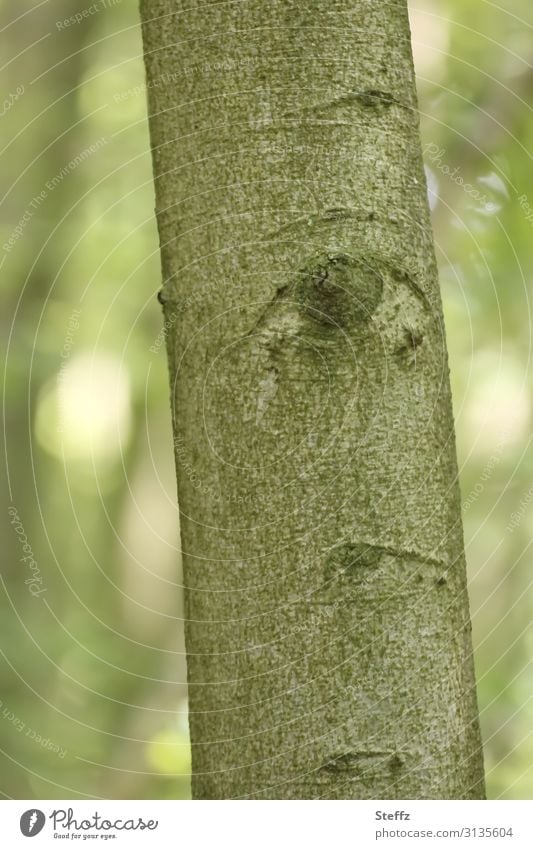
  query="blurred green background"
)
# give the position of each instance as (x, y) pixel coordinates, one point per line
(93, 695)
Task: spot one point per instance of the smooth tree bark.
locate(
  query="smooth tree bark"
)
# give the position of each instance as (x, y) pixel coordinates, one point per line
(328, 631)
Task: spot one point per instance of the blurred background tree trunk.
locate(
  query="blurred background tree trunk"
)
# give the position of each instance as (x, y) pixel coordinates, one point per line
(89, 665)
(41, 63)
(328, 629)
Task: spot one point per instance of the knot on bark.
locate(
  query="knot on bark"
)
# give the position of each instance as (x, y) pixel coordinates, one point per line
(339, 290)
(353, 762)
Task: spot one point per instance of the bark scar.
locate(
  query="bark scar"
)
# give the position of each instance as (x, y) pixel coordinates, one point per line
(374, 97)
(362, 553)
(332, 214)
(352, 760)
(412, 340)
(369, 98)
(280, 293)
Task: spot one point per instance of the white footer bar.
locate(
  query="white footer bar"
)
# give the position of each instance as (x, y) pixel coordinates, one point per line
(268, 825)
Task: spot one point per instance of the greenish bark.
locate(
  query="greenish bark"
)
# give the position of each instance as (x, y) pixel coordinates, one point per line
(328, 632)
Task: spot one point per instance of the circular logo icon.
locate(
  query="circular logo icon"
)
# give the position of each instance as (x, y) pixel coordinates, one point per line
(32, 822)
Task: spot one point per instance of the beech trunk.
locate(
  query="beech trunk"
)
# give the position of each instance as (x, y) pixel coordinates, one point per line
(328, 632)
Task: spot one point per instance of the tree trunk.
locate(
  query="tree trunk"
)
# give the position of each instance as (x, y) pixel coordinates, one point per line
(328, 632)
